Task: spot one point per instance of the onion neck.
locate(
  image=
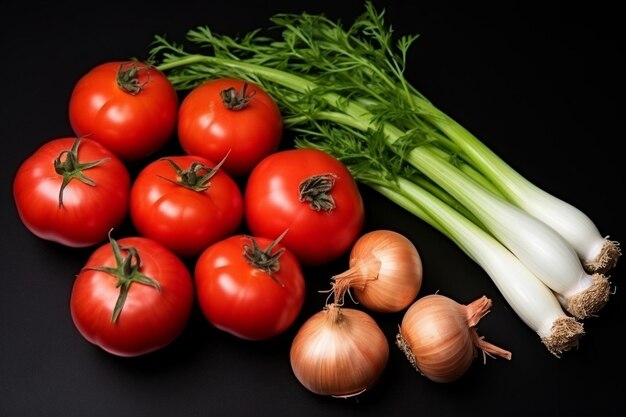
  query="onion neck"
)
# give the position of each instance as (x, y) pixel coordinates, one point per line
(488, 348)
(477, 309)
(358, 276)
(334, 316)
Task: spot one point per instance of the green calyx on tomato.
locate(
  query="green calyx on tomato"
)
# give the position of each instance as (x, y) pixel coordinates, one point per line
(127, 272)
(315, 190)
(196, 177)
(264, 259)
(236, 100)
(70, 168)
(127, 78)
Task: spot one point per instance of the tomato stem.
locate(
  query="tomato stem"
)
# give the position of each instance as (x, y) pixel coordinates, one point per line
(192, 177)
(70, 168)
(263, 258)
(128, 77)
(236, 100)
(127, 272)
(315, 190)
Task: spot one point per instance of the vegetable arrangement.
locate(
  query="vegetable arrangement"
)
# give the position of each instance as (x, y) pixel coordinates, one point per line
(357, 120)
(344, 92)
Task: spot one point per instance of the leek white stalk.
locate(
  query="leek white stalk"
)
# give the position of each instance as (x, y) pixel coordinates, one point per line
(538, 246)
(596, 252)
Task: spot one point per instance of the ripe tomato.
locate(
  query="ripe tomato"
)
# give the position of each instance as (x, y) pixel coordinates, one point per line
(132, 297)
(250, 287)
(227, 115)
(186, 203)
(130, 107)
(60, 191)
(311, 194)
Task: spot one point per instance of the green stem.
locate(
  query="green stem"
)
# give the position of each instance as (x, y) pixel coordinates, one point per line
(484, 159)
(264, 259)
(127, 272)
(197, 177)
(70, 168)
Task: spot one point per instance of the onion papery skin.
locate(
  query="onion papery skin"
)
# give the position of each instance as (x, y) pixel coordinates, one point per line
(385, 272)
(339, 352)
(437, 335)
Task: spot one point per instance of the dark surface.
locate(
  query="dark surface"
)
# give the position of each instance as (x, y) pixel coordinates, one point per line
(542, 86)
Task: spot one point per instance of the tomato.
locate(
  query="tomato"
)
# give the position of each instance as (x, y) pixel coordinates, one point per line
(132, 297)
(250, 287)
(230, 117)
(186, 203)
(310, 193)
(72, 191)
(130, 107)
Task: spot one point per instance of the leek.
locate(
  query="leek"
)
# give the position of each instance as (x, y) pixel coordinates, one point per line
(363, 55)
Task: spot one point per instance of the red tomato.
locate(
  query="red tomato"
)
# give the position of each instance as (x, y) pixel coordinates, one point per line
(130, 107)
(250, 287)
(93, 200)
(227, 115)
(159, 297)
(186, 203)
(311, 194)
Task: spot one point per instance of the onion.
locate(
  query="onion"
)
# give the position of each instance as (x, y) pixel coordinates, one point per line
(385, 272)
(437, 335)
(339, 352)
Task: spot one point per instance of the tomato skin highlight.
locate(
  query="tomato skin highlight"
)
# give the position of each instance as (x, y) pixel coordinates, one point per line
(243, 300)
(206, 127)
(88, 212)
(150, 319)
(133, 126)
(272, 204)
(184, 220)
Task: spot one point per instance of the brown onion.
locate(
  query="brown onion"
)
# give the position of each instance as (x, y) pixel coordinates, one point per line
(439, 338)
(339, 352)
(385, 272)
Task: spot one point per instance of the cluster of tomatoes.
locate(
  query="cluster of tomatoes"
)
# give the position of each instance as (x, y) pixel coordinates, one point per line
(134, 294)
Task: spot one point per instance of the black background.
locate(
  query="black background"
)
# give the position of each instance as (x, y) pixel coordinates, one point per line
(543, 86)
